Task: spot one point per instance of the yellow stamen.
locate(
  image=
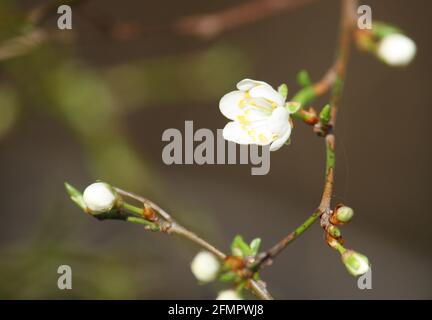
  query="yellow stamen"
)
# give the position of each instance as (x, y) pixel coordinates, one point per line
(243, 121)
(262, 138)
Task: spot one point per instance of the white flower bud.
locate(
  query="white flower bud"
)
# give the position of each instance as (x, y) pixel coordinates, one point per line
(396, 50)
(356, 263)
(99, 197)
(205, 266)
(228, 295)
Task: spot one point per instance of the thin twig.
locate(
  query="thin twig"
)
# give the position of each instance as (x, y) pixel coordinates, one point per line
(182, 231)
(22, 44)
(146, 201)
(267, 257)
(36, 35)
(260, 290)
(42, 12)
(171, 226)
(212, 25)
(334, 78)
(348, 10)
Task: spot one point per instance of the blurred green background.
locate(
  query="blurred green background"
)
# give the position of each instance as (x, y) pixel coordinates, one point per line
(92, 103)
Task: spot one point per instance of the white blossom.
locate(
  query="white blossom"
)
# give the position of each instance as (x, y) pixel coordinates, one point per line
(205, 266)
(99, 197)
(258, 115)
(228, 295)
(396, 50)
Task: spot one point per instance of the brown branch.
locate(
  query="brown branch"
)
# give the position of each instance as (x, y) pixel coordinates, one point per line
(22, 44)
(213, 24)
(36, 35)
(348, 11)
(333, 79)
(257, 287)
(145, 201)
(170, 226)
(207, 26)
(41, 13)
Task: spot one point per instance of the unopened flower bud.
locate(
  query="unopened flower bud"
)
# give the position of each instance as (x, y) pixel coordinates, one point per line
(396, 49)
(356, 263)
(228, 295)
(99, 197)
(205, 266)
(343, 214)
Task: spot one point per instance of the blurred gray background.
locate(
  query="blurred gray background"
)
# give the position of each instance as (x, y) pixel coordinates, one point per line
(93, 104)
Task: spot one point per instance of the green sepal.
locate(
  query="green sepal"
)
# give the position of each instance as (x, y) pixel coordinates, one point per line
(228, 276)
(256, 276)
(283, 90)
(381, 29)
(240, 287)
(239, 246)
(75, 195)
(293, 106)
(255, 246)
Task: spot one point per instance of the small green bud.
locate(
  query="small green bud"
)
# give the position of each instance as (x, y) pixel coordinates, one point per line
(283, 90)
(356, 263)
(325, 114)
(303, 79)
(334, 231)
(344, 214)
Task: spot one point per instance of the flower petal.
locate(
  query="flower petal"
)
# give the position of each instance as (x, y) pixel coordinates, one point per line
(247, 84)
(259, 132)
(279, 121)
(257, 108)
(234, 132)
(280, 141)
(396, 50)
(229, 104)
(267, 92)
